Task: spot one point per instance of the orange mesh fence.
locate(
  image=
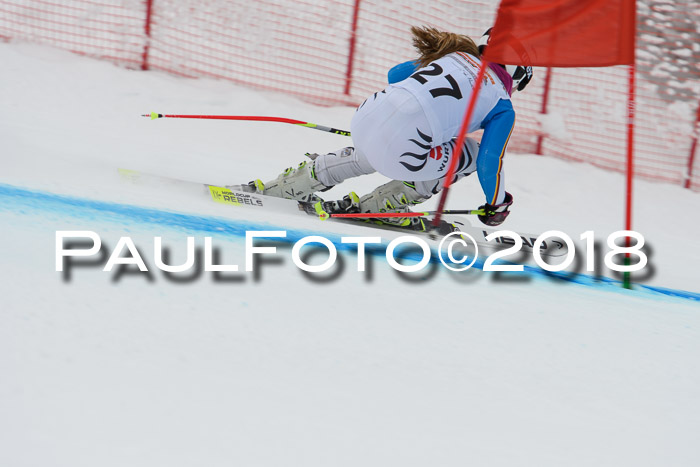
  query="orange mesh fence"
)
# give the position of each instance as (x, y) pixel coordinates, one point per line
(339, 51)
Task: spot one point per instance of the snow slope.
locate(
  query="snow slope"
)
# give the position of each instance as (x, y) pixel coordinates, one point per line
(282, 368)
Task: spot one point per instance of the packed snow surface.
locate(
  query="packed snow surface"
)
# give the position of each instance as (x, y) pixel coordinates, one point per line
(280, 367)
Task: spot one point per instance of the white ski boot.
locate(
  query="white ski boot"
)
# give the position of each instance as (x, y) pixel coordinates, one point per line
(299, 184)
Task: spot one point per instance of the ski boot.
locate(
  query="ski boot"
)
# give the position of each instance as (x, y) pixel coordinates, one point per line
(299, 184)
(349, 204)
(395, 196)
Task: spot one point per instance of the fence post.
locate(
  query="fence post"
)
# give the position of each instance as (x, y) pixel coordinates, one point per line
(693, 147)
(351, 52)
(147, 31)
(545, 99)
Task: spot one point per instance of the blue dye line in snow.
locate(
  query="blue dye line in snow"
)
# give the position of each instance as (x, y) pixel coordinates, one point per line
(12, 198)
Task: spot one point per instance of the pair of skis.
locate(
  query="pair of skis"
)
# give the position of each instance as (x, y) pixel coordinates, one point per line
(240, 199)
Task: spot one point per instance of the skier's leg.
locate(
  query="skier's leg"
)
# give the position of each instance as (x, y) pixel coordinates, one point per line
(318, 174)
(391, 196)
(298, 183)
(336, 167)
(466, 166)
(383, 114)
(399, 194)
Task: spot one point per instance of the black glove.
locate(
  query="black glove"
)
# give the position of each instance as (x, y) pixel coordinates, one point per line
(496, 214)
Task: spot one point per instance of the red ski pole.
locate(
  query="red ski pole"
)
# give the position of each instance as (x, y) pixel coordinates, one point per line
(323, 215)
(155, 115)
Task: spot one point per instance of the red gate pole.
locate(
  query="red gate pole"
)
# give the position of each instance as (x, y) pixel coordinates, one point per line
(460, 142)
(630, 166)
(147, 31)
(545, 99)
(351, 52)
(693, 146)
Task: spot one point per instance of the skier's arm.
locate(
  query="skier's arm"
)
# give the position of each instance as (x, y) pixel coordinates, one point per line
(401, 71)
(497, 126)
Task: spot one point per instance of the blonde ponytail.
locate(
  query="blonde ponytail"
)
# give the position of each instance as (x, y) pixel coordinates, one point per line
(432, 44)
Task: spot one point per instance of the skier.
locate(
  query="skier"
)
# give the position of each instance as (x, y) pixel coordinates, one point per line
(407, 132)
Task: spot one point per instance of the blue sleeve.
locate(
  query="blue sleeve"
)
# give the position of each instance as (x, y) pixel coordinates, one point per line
(497, 126)
(401, 71)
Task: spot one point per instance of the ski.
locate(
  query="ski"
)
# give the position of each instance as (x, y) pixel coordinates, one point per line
(240, 197)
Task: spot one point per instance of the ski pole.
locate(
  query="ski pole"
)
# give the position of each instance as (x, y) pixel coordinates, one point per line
(323, 215)
(155, 115)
